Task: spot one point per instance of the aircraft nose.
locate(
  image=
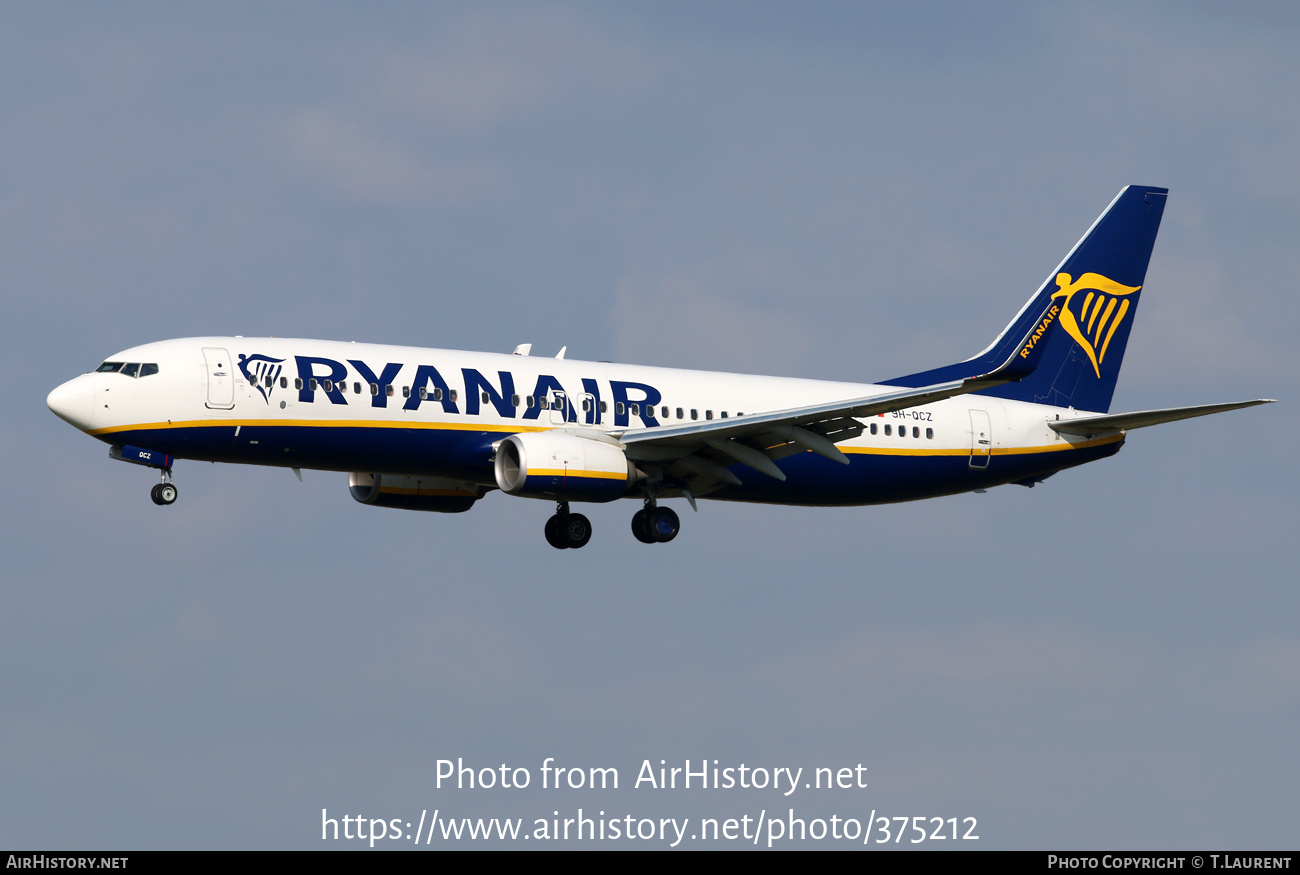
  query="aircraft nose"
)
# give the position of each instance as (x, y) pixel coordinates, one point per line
(74, 401)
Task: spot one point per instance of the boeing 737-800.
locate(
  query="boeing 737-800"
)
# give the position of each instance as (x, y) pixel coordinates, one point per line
(435, 430)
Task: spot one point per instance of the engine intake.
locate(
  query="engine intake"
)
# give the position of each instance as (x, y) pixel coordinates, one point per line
(559, 465)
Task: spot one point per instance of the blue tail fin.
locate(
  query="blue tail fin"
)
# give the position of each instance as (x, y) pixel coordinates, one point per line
(1097, 287)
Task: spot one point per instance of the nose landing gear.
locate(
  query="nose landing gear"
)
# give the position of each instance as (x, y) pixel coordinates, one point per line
(567, 530)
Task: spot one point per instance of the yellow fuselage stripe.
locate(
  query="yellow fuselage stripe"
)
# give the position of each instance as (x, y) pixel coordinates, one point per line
(1062, 446)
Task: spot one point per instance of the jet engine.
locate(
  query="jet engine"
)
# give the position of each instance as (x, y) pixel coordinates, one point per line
(414, 493)
(563, 466)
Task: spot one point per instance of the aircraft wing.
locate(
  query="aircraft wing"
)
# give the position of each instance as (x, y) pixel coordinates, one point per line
(703, 452)
(1141, 419)
(758, 439)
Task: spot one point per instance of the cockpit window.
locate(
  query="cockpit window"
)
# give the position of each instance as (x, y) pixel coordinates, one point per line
(130, 369)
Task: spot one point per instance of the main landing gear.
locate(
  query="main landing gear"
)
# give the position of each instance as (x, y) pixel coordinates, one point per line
(655, 525)
(164, 493)
(567, 530)
(651, 525)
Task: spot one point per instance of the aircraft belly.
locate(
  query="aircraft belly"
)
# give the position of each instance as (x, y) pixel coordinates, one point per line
(453, 453)
(464, 454)
(883, 479)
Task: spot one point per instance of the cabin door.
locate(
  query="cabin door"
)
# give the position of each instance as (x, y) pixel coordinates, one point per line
(221, 379)
(981, 439)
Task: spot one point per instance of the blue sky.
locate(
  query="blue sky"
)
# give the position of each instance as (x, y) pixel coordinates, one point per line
(844, 192)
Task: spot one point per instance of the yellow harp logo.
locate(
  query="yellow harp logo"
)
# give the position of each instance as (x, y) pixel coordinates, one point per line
(1095, 321)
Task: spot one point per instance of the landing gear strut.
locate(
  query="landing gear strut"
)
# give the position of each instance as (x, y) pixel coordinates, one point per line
(655, 525)
(567, 530)
(164, 493)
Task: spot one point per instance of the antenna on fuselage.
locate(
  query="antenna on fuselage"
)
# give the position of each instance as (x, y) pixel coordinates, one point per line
(560, 354)
(524, 349)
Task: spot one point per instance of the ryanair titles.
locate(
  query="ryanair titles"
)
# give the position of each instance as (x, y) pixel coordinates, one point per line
(428, 385)
(1048, 318)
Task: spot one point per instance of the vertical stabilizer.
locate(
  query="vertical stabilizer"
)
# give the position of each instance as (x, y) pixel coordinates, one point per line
(1097, 287)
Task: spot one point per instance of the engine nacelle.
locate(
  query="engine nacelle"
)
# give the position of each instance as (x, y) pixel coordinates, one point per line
(414, 492)
(554, 464)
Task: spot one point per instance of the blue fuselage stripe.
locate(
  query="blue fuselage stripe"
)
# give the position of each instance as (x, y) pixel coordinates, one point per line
(466, 455)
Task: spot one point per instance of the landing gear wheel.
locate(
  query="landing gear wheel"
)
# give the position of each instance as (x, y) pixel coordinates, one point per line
(568, 531)
(165, 493)
(662, 524)
(153, 493)
(553, 533)
(576, 529)
(641, 527)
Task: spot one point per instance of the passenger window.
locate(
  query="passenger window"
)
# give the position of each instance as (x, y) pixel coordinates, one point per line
(148, 370)
(374, 388)
(437, 394)
(132, 369)
(424, 394)
(888, 430)
(328, 385)
(603, 407)
(453, 394)
(916, 432)
(586, 405)
(388, 390)
(679, 413)
(297, 382)
(311, 384)
(929, 434)
(636, 409)
(406, 391)
(873, 428)
(708, 414)
(109, 368)
(543, 404)
(267, 381)
(530, 401)
(487, 399)
(514, 400)
(618, 408)
(695, 414)
(356, 388)
(284, 382)
(724, 414)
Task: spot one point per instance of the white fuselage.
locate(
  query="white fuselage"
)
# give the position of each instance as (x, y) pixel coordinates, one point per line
(406, 410)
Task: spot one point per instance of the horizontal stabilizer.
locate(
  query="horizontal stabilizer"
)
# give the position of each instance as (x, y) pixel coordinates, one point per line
(1142, 418)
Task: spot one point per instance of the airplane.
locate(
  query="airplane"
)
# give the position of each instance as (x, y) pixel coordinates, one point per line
(436, 430)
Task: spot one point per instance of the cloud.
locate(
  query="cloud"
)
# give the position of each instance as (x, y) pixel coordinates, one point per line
(484, 71)
(359, 164)
(677, 321)
(1024, 656)
(1193, 327)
